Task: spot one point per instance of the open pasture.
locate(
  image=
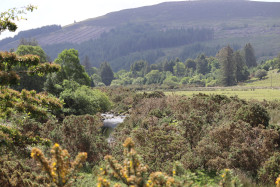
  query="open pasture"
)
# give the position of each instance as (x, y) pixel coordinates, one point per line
(245, 93)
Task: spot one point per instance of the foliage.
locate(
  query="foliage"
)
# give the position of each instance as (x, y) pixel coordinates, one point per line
(15, 173)
(260, 74)
(79, 134)
(8, 18)
(8, 62)
(132, 171)
(13, 140)
(31, 82)
(249, 55)
(254, 114)
(59, 168)
(80, 100)
(71, 70)
(37, 106)
(270, 169)
(225, 57)
(106, 73)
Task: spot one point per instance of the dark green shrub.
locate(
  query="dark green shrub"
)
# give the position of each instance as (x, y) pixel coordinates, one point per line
(254, 114)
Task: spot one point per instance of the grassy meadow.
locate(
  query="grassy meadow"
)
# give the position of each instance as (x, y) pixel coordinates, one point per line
(266, 89)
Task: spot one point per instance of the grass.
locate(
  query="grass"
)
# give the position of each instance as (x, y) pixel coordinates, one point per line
(248, 94)
(266, 89)
(271, 80)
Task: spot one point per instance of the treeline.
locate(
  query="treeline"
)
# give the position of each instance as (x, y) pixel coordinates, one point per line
(229, 67)
(31, 33)
(123, 41)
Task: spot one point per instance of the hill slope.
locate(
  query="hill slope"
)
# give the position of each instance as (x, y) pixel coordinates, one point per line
(233, 22)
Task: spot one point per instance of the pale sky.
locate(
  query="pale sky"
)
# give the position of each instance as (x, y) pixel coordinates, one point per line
(64, 12)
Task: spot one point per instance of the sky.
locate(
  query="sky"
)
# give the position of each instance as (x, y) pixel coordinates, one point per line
(64, 12)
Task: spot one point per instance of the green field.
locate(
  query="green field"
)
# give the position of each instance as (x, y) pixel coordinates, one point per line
(248, 94)
(266, 89)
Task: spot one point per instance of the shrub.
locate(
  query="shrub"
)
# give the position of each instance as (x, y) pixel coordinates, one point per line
(79, 134)
(59, 169)
(260, 74)
(80, 100)
(254, 114)
(270, 169)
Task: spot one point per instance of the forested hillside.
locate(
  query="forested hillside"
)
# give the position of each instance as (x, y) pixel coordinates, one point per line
(125, 36)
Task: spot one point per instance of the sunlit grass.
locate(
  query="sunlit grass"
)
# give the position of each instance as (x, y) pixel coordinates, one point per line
(248, 94)
(271, 80)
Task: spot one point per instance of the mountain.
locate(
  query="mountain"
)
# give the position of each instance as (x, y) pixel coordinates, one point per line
(127, 35)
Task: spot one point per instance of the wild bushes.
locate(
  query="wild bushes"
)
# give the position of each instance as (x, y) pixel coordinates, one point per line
(79, 134)
(202, 132)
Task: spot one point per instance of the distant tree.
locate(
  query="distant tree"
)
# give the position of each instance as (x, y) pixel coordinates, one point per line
(138, 68)
(190, 64)
(71, 69)
(249, 55)
(225, 57)
(87, 66)
(154, 77)
(241, 70)
(201, 65)
(30, 41)
(260, 74)
(31, 49)
(168, 66)
(106, 73)
(179, 69)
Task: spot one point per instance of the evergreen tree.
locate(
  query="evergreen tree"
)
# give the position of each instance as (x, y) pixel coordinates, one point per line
(249, 55)
(106, 73)
(87, 66)
(201, 65)
(138, 68)
(241, 70)
(190, 64)
(225, 57)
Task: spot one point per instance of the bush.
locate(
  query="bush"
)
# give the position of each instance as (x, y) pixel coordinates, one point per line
(80, 100)
(270, 169)
(254, 114)
(80, 134)
(260, 74)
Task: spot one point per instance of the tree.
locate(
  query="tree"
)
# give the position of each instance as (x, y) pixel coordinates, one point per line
(190, 64)
(106, 73)
(260, 74)
(241, 72)
(86, 64)
(179, 69)
(249, 55)
(225, 57)
(201, 65)
(138, 68)
(71, 69)
(31, 82)
(154, 77)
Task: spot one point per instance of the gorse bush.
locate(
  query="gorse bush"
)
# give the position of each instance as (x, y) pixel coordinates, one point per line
(202, 132)
(132, 172)
(59, 169)
(79, 134)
